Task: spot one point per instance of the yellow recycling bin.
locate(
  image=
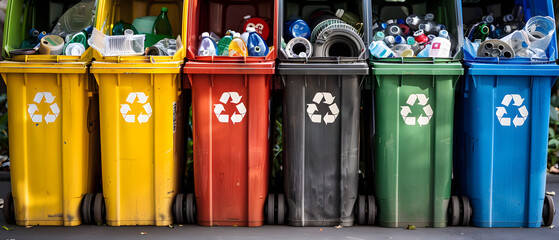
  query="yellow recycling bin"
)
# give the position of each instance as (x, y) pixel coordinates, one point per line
(53, 127)
(140, 120)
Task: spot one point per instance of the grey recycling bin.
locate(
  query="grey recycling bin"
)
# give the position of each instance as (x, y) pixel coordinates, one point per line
(321, 102)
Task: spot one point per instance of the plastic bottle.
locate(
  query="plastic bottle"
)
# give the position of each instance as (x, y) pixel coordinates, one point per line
(32, 41)
(444, 34)
(244, 36)
(223, 44)
(296, 28)
(165, 47)
(78, 17)
(256, 45)
(414, 20)
(393, 29)
(379, 26)
(425, 52)
(162, 26)
(389, 40)
(379, 36)
(440, 47)
(379, 49)
(349, 17)
(400, 48)
(414, 45)
(420, 37)
(207, 46)
(237, 48)
(120, 26)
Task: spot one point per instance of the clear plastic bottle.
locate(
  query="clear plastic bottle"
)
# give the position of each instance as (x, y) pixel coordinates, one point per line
(78, 17)
(223, 44)
(162, 26)
(207, 46)
(400, 48)
(379, 49)
(256, 45)
(414, 20)
(237, 48)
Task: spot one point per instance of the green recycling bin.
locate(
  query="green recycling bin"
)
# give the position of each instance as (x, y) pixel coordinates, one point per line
(414, 104)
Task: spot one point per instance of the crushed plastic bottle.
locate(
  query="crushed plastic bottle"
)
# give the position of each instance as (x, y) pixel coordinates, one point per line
(256, 45)
(237, 48)
(207, 46)
(162, 26)
(379, 49)
(165, 47)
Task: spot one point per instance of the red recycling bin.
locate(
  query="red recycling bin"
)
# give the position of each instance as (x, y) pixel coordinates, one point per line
(230, 107)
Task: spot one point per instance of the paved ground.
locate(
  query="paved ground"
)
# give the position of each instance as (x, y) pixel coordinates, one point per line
(277, 232)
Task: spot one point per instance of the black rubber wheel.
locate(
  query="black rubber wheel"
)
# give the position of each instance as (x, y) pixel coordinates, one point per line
(8, 210)
(178, 206)
(548, 210)
(99, 209)
(361, 208)
(270, 209)
(190, 208)
(466, 210)
(281, 209)
(453, 211)
(86, 208)
(372, 210)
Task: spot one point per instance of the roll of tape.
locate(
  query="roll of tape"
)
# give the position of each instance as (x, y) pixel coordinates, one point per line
(51, 45)
(298, 47)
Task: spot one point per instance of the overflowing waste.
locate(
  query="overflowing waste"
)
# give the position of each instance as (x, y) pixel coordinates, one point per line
(416, 36)
(234, 44)
(325, 34)
(74, 33)
(509, 36)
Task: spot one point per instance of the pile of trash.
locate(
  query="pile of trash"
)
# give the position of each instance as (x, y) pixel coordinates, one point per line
(509, 36)
(416, 36)
(234, 44)
(326, 34)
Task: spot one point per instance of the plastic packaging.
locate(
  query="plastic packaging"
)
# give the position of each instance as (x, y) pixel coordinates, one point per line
(400, 48)
(162, 26)
(379, 49)
(223, 44)
(540, 31)
(78, 17)
(165, 47)
(440, 47)
(207, 46)
(256, 45)
(237, 48)
(123, 45)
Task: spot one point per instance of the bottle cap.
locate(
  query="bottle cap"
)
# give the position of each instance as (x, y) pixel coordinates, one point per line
(379, 34)
(400, 21)
(399, 39)
(429, 16)
(205, 34)
(128, 32)
(164, 9)
(443, 34)
(236, 35)
(251, 29)
(411, 40)
(508, 29)
(488, 18)
(394, 29)
(508, 18)
(524, 44)
(340, 13)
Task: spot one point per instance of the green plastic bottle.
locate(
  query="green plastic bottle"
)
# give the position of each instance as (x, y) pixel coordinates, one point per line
(162, 26)
(223, 44)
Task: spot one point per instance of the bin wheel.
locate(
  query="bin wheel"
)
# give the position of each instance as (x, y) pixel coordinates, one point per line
(453, 214)
(86, 208)
(548, 210)
(466, 210)
(178, 208)
(270, 208)
(8, 209)
(190, 208)
(281, 209)
(372, 210)
(99, 209)
(361, 208)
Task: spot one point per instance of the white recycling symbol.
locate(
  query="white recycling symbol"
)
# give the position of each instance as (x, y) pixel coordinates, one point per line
(238, 115)
(54, 110)
(501, 111)
(424, 118)
(125, 108)
(312, 108)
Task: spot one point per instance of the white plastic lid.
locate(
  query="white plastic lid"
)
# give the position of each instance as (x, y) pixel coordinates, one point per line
(251, 29)
(236, 35)
(74, 49)
(128, 32)
(429, 16)
(340, 13)
(205, 34)
(508, 29)
(418, 33)
(443, 34)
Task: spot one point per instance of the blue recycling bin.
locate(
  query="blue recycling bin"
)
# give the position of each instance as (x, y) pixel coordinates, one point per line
(501, 132)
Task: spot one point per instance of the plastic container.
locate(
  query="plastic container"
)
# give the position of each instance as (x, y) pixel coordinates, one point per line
(120, 45)
(140, 111)
(230, 107)
(53, 163)
(321, 107)
(414, 104)
(502, 132)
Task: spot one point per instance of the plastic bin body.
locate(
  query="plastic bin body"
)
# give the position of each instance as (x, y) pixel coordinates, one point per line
(51, 165)
(321, 153)
(414, 106)
(141, 128)
(141, 141)
(230, 151)
(501, 165)
(230, 107)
